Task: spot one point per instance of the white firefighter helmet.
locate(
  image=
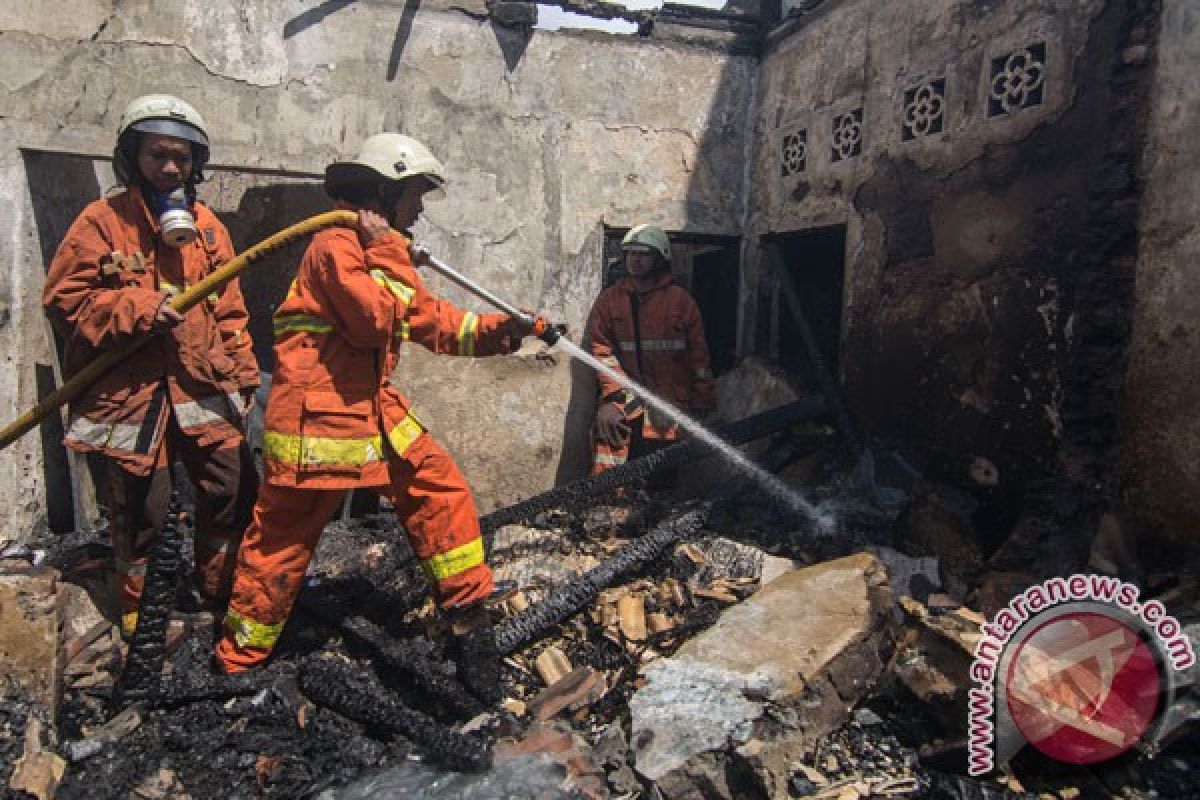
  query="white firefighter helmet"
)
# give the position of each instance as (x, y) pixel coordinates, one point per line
(391, 156)
(647, 237)
(164, 114)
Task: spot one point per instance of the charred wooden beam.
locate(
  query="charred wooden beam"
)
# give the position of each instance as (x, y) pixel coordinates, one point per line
(141, 678)
(570, 598)
(197, 687)
(740, 432)
(398, 655)
(357, 693)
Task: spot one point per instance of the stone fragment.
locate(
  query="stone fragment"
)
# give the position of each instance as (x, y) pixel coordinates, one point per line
(30, 617)
(716, 686)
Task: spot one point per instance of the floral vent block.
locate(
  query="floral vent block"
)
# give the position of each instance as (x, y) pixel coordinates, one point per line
(1018, 80)
(924, 110)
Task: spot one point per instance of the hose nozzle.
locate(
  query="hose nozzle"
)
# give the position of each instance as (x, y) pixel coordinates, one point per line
(539, 327)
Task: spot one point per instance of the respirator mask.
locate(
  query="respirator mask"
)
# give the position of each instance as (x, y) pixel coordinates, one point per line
(175, 219)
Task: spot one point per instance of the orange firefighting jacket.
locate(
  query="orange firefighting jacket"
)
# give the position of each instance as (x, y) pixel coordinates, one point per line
(337, 338)
(674, 355)
(103, 289)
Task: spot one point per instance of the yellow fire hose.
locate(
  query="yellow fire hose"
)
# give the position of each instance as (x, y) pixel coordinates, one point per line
(181, 303)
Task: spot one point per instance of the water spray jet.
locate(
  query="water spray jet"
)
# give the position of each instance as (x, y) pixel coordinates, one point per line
(823, 521)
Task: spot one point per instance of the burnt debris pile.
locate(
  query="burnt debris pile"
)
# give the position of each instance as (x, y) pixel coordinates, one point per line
(665, 631)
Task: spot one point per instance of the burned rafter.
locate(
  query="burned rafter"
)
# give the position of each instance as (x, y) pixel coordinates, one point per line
(403, 656)
(740, 432)
(568, 599)
(357, 693)
(602, 10)
(141, 678)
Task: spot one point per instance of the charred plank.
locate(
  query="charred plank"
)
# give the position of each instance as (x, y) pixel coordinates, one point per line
(141, 678)
(357, 693)
(569, 599)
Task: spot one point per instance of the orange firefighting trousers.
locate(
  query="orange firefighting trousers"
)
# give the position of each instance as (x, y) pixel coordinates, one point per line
(433, 503)
(226, 482)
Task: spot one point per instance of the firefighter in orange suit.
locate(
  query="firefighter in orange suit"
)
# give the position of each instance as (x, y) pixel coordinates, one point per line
(335, 422)
(184, 396)
(646, 326)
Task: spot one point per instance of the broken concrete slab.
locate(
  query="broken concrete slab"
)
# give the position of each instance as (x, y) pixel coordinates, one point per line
(935, 659)
(30, 616)
(813, 640)
(914, 577)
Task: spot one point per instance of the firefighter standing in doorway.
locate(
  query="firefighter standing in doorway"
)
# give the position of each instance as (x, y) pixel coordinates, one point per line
(648, 327)
(186, 395)
(334, 421)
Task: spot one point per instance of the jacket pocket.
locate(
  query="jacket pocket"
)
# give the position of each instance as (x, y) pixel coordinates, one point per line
(337, 435)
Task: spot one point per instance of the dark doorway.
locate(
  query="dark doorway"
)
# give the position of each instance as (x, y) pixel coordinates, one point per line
(707, 266)
(815, 261)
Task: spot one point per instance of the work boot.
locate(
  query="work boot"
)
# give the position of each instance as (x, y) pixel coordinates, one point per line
(476, 657)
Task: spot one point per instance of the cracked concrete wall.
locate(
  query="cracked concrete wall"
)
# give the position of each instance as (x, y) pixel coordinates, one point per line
(1161, 439)
(987, 286)
(547, 137)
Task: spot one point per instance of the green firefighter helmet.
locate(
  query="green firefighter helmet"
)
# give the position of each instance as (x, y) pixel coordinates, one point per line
(647, 237)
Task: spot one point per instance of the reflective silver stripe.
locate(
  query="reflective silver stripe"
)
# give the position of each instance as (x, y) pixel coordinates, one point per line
(610, 361)
(206, 410)
(112, 435)
(239, 405)
(658, 345)
(609, 459)
(702, 372)
(129, 568)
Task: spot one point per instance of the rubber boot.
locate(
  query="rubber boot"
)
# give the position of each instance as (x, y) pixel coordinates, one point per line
(476, 656)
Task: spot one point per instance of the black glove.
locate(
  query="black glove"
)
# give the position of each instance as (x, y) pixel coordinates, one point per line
(611, 426)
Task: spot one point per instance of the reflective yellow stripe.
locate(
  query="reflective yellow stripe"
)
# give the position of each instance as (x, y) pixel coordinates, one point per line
(454, 562)
(400, 289)
(294, 448)
(129, 623)
(309, 323)
(466, 334)
(403, 332)
(248, 633)
(403, 435)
